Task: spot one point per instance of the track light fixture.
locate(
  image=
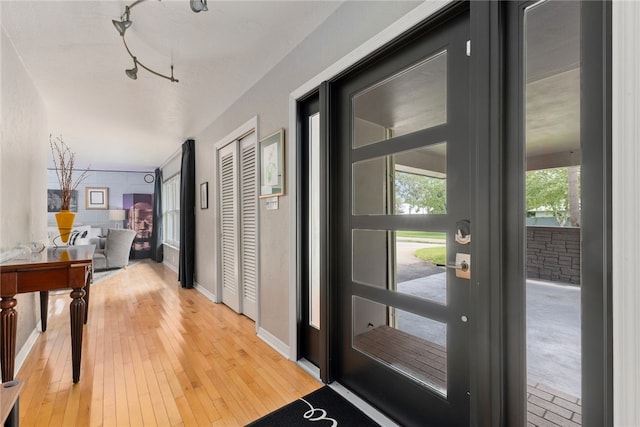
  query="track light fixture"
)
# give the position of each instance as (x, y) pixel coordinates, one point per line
(133, 72)
(198, 5)
(125, 22)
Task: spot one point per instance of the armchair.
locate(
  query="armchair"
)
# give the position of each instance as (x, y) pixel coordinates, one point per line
(113, 251)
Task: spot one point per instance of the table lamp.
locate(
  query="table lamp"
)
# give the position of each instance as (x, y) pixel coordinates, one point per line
(117, 216)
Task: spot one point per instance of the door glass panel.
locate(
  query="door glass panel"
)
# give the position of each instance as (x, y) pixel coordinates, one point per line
(553, 156)
(410, 182)
(420, 258)
(411, 100)
(410, 262)
(314, 221)
(371, 257)
(412, 345)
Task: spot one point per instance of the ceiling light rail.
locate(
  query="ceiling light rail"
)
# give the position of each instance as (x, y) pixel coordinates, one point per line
(125, 22)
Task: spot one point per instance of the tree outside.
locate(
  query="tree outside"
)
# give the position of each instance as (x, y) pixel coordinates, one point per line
(419, 194)
(556, 190)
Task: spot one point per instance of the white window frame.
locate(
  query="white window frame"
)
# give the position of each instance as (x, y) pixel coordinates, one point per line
(171, 211)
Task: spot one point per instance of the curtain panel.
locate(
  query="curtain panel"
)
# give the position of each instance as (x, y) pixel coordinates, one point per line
(186, 267)
(157, 252)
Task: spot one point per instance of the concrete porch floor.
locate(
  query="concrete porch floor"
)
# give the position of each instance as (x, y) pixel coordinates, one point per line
(553, 337)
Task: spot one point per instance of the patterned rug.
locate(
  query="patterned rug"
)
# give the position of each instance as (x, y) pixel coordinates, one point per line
(322, 408)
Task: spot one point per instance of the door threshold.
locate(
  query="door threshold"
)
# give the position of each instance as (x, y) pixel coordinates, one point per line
(365, 407)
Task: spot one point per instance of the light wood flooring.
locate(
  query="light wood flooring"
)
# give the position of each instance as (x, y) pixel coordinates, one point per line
(155, 354)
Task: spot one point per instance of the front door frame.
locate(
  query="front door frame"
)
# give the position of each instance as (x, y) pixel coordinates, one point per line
(496, 387)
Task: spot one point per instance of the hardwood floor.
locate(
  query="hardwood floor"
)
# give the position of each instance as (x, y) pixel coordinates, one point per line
(155, 354)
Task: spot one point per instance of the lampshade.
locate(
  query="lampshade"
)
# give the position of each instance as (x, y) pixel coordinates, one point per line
(116, 215)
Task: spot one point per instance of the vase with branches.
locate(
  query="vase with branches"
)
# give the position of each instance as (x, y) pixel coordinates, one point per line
(64, 162)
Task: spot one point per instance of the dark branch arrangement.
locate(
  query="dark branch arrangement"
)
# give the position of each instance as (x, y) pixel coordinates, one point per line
(63, 160)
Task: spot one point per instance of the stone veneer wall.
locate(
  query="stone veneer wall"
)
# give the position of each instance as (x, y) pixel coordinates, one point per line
(553, 253)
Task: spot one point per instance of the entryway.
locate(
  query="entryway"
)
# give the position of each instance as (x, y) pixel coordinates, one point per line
(425, 144)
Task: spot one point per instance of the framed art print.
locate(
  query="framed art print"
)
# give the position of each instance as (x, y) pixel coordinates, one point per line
(272, 165)
(96, 197)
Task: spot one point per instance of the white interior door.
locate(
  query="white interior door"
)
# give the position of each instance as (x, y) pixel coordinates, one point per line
(228, 182)
(238, 214)
(248, 224)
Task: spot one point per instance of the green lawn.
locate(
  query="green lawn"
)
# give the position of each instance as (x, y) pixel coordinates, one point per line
(422, 234)
(433, 255)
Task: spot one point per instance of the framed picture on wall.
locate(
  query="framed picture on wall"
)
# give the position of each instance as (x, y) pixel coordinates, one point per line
(272, 165)
(96, 197)
(54, 201)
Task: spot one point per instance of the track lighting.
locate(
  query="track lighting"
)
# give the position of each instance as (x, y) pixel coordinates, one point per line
(125, 22)
(133, 72)
(198, 5)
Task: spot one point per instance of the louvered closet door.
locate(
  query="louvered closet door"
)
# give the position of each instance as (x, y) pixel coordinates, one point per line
(238, 225)
(228, 191)
(248, 224)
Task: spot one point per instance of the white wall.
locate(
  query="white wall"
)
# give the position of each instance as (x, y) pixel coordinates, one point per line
(23, 166)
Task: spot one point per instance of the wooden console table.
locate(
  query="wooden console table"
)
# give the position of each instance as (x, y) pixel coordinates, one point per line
(55, 268)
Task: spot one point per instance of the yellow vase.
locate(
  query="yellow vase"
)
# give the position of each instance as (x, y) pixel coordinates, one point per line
(65, 219)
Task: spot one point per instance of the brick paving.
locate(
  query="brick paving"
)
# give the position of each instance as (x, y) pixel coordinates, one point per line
(548, 407)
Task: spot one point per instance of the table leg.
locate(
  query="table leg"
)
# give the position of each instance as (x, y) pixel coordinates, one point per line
(87, 288)
(44, 309)
(77, 311)
(8, 322)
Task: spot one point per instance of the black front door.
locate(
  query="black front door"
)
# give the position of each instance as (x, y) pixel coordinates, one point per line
(402, 252)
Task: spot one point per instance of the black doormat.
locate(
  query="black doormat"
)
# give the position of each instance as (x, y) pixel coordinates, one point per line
(322, 408)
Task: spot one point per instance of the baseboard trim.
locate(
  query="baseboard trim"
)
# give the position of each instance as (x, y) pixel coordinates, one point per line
(26, 348)
(170, 266)
(206, 292)
(274, 342)
(310, 368)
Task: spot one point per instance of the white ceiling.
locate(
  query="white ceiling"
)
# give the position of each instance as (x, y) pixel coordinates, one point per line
(76, 59)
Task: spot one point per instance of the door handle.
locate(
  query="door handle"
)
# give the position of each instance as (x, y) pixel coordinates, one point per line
(462, 266)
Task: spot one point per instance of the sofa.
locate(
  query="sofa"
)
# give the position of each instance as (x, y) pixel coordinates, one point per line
(80, 235)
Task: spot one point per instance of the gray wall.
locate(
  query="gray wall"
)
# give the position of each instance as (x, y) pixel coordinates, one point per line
(342, 32)
(23, 166)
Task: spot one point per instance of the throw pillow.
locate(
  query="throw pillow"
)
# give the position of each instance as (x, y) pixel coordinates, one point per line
(75, 235)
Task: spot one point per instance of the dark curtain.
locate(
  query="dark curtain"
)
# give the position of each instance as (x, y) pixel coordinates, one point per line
(157, 252)
(187, 214)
